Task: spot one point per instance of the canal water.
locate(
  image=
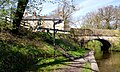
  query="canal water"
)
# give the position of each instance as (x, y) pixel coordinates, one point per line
(108, 61)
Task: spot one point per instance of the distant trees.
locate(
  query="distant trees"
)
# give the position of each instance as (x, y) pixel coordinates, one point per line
(105, 18)
(65, 10)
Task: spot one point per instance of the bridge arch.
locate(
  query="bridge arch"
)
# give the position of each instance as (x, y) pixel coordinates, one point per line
(105, 44)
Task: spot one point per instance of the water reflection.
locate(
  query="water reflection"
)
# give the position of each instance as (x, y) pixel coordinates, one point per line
(108, 61)
(106, 55)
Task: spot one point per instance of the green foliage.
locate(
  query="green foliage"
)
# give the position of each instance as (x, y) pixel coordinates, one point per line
(94, 45)
(65, 41)
(87, 67)
(5, 24)
(35, 51)
(51, 64)
(116, 47)
(6, 9)
(46, 37)
(15, 57)
(78, 53)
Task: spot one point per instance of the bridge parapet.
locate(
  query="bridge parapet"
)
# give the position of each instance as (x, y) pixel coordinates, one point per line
(94, 32)
(106, 37)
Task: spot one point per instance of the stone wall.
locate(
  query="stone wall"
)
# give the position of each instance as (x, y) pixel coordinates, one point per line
(94, 32)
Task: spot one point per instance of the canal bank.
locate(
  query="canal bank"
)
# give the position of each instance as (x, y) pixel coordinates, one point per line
(82, 64)
(92, 60)
(102, 62)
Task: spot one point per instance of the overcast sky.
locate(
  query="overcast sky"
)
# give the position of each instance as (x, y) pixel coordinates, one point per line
(85, 5)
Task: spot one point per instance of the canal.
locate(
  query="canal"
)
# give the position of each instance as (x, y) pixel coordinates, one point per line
(108, 62)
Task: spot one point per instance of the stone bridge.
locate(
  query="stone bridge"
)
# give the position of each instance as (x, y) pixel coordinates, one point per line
(107, 37)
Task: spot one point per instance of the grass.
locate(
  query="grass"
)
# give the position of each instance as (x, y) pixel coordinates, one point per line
(52, 64)
(78, 53)
(34, 51)
(87, 67)
(116, 48)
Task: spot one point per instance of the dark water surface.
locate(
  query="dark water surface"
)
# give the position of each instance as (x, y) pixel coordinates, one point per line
(108, 62)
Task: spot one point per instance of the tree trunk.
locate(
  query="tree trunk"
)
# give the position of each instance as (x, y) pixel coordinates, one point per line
(108, 24)
(19, 14)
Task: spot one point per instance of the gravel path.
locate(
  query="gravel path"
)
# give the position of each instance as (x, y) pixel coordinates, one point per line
(71, 67)
(78, 64)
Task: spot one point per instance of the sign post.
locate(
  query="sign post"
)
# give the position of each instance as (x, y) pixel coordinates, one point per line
(54, 41)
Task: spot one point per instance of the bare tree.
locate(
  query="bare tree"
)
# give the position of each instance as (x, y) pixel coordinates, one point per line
(104, 18)
(65, 10)
(116, 17)
(106, 13)
(88, 20)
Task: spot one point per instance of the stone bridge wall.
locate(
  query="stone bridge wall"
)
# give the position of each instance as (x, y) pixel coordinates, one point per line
(94, 32)
(85, 35)
(112, 39)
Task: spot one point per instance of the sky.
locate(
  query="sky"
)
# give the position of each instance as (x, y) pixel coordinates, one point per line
(85, 6)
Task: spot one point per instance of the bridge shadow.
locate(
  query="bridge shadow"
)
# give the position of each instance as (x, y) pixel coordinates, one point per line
(105, 44)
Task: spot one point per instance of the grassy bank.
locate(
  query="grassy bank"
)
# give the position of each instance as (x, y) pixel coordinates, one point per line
(116, 47)
(88, 67)
(35, 51)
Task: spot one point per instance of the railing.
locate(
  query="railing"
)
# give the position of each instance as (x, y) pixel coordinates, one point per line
(56, 30)
(38, 19)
